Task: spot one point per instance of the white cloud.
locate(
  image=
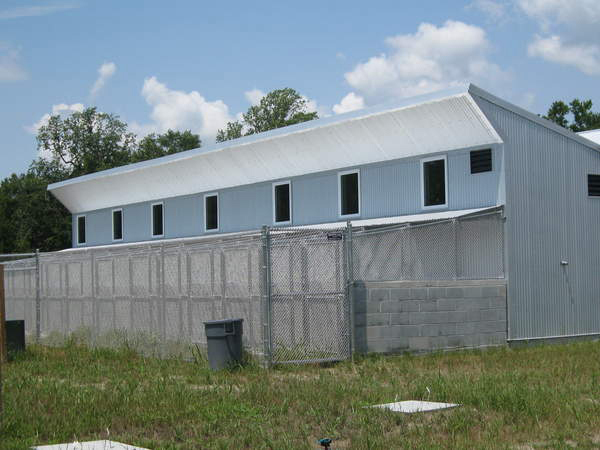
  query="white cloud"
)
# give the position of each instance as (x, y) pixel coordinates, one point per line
(350, 102)
(60, 109)
(179, 110)
(10, 69)
(585, 57)
(254, 96)
(494, 10)
(431, 59)
(570, 32)
(38, 10)
(105, 72)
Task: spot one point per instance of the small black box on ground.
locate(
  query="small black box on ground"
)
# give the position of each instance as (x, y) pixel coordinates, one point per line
(224, 342)
(15, 336)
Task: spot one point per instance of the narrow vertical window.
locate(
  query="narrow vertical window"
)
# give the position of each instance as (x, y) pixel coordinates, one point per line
(157, 220)
(117, 223)
(81, 230)
(434, 183)
(282, 203)
(211, 212)
(349, 193)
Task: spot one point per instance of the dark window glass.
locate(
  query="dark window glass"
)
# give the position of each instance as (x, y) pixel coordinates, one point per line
(81, 230)
(157, 220)
(117, 225)
(594, 185)
(282, 203)
(211, 212)
(434, 180)
(349, 193)
(481, 161)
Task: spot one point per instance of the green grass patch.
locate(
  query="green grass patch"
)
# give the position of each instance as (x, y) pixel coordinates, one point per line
(546, 397)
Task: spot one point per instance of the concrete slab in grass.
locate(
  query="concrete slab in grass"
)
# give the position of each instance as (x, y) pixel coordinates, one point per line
(90, 445)
(415, 406)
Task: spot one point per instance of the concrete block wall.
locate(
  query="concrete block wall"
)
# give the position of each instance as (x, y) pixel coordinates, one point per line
(398, 316)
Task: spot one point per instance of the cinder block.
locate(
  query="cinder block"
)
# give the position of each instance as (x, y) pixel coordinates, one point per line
(379, 295)
(457, 341)
(378, 319)
(399, 306)
(455, 292)
(441, 329)
(406, 330)
(388, 345)
(419, 343)
(465, 328)
(399, 319)
(493, 314)
(438, 342)
(373, 307)
(418, 293)
(446, 304)
(374, 333)
(394, 332)
(491, 291)
(428, 306)
(472, 291)
(400, 294)
(491, 327)
(497, 302)
(417, 318)
(473, 316)
(436, 292)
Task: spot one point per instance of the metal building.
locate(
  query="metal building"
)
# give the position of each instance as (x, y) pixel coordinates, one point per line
(439, 156)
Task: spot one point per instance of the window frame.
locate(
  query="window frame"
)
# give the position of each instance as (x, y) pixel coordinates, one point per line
(595, 197)
(274, 197)
(84, 217)
(152, 220)
(339, 189)
(211, 230)
(122, 226)
(422, 167)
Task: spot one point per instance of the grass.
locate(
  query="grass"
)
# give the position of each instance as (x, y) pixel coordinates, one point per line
(545, 396)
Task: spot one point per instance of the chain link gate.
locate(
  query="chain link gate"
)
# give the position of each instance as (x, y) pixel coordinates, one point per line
(308, 308)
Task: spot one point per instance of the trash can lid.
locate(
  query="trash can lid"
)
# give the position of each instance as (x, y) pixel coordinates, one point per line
(222, 321)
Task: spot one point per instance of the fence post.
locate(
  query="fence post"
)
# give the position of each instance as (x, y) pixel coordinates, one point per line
(38, 305)
(266, 294)
(3, 351)
(350, 287)
(162, 308)
(456, 247)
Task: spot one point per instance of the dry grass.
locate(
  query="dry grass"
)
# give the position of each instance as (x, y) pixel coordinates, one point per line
(537, 397)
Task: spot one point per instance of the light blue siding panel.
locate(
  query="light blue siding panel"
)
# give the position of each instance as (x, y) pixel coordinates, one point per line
(245, 208)
(550, 219)
(315, 199)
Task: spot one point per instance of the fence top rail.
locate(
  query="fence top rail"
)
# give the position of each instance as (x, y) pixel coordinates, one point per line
(15, 255)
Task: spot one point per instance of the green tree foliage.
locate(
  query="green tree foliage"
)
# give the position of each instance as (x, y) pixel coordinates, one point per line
(583, 118)
(82, 143)
(86, 142)
(157, 145)
(279, 108)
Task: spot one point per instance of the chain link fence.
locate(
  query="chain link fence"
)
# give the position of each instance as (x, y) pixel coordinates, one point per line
(468, 248)
(291, 286)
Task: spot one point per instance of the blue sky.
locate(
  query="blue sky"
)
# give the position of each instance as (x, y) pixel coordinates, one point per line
(190, 64)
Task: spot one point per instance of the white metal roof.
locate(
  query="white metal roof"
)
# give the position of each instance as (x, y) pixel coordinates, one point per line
(592, 135)
(428, 124)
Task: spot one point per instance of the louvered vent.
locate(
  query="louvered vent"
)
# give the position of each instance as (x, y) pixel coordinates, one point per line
(594, 185)
(481, 161)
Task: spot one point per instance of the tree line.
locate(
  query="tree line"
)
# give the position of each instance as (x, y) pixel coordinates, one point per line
(90, 141)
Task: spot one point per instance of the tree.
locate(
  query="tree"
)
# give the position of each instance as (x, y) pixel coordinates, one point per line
(581, 111)
(86, 142)
(157, 145)
(279, 108)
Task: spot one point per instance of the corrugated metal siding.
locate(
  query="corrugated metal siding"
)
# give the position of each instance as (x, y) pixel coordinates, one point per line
(387, 189)
(550, 218)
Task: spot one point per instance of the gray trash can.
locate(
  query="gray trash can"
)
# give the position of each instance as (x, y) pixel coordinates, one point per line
(224, 341)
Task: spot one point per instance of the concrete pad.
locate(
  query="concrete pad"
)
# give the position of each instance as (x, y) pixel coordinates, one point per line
(415, 406)
(90, 445)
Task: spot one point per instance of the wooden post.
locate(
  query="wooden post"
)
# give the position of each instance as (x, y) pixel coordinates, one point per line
(3, 355)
